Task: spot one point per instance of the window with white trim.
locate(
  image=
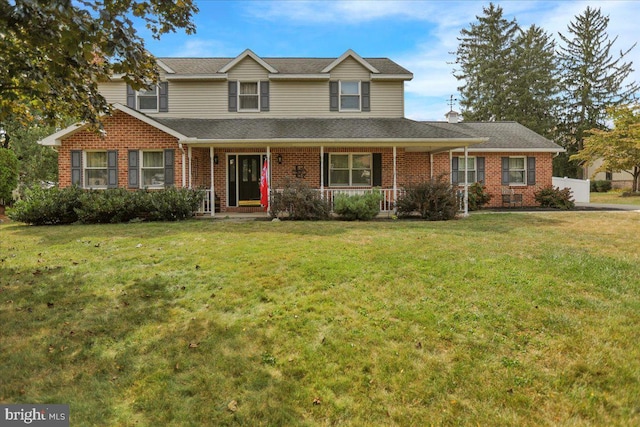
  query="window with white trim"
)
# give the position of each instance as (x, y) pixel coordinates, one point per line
(249, 96)
(148, 99)
(517, 170)
(349, 96)
(350, 170)
(471, 170)
(152, 169)
(95, 169)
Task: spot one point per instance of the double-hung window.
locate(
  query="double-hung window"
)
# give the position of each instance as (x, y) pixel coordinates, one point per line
(517, 170)
(148, 99)
(249, 96)
(95, 170)
(349, 96)
(152, 169)
(350, 170)
(471, 170)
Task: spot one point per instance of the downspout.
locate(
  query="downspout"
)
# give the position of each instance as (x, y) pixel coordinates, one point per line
(212, 204)
(184, 172)
(189, 151)
(322, 172)
(431, 166)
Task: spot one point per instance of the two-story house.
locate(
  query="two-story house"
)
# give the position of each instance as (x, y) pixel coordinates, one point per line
(337, 123)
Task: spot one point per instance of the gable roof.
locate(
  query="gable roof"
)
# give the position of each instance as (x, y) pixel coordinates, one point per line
(350, 54)
(502, 136)
(247, 53)
(282, 65)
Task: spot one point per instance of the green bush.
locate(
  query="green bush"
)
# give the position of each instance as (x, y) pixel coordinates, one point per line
(298, 201)
(50, 206)
(65, 206)
(433, 200)
(553, 197)
(600, 186)
(362, 207)
(478, 196)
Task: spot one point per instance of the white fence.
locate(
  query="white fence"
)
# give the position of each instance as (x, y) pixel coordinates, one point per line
(581, 188)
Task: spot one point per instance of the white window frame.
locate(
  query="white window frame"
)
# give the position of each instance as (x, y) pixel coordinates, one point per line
(461, 171)
(523, 171)
(86, 168)
(359, 95)
(240, 95)
(143, 168)
(142, 93)
(350, 168)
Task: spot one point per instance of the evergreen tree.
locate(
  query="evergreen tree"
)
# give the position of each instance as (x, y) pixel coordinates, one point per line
(485, 58)
(534, 86)
(593, 78)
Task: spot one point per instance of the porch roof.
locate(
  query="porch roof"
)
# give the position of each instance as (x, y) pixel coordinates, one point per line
(310, 131)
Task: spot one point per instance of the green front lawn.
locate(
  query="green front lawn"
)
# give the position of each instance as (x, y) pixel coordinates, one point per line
(613, 197)
(498, 319)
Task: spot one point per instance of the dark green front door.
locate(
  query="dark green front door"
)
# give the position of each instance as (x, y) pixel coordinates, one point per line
(248, 179)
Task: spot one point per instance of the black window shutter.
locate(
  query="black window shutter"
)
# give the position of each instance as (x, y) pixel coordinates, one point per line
(134, 167)
(233, 96)
(366, 96)
(531, 171)
(76, 168)
(131, 97)
(377, 170)
(505, 171)
(264, 96)
(168, 168)
(334, 96)
(480, 169)
(112, 169)
(164, 97)
(454, 171)
(325, 171)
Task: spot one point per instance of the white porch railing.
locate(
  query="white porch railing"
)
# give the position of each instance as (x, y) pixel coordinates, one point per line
(387, 204)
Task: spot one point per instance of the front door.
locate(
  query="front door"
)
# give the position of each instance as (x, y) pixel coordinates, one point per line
(247, 179)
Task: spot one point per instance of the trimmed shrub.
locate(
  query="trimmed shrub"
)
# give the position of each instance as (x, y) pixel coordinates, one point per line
(553, 197)
(434, 200)
(298, 201)
(362, 207)
(50, 206)
(65, 206)
(600, 186)
(478, 196)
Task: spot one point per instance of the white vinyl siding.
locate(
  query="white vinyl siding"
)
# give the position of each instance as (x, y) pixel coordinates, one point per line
(114, 92)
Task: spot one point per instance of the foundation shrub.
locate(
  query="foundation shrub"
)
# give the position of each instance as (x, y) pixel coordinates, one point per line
(554, 197)
(361, 207)
(433, 200)
(47, 206)
(296, 200)
(478, 196)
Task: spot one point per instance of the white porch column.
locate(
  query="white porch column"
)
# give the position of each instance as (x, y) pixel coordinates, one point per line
(189, 150)
(213, 190)
(466, 181)
(395, 175)
(322, 171)
(269, 177)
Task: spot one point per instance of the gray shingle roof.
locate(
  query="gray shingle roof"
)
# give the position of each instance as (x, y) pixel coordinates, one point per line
(502, 135)
(283, 65)
(301, 129)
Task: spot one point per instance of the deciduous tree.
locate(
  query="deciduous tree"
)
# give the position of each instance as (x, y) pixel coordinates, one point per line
(54, 52)
(619, 148)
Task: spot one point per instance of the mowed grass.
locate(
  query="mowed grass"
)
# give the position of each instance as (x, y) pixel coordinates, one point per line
(614, 197)
(498, 319)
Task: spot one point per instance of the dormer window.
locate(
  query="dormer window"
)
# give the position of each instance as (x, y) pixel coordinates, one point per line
(349, 96)
(248, 96)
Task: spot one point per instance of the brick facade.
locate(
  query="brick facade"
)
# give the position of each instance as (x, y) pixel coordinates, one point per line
(124, 132)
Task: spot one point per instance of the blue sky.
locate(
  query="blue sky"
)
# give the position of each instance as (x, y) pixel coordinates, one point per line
(416, 34)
